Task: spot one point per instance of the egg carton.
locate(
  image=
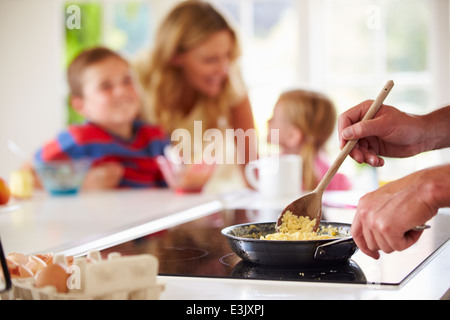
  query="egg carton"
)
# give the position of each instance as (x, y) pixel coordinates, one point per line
(115, 278)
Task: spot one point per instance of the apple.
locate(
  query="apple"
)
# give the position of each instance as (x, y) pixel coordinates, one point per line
(5, 194)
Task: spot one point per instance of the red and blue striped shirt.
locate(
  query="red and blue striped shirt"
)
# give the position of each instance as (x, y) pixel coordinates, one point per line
(137, 155)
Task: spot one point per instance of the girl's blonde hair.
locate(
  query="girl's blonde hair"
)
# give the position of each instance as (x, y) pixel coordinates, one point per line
(187, 25)
(314, 114)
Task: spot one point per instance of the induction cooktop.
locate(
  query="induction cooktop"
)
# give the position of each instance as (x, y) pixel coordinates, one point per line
(198, 249)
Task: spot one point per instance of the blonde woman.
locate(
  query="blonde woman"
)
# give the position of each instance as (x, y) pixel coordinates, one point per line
(192, 75)
(305, 121)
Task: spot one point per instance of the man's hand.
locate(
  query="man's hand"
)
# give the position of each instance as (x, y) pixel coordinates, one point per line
(391, 133)
(385, 217)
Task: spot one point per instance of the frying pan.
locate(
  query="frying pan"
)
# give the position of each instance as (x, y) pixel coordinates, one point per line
(244, 240)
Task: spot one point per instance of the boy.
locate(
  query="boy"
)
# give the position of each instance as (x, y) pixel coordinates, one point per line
(122, 149)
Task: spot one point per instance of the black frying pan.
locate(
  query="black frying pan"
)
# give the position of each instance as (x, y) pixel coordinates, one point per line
(244, 241)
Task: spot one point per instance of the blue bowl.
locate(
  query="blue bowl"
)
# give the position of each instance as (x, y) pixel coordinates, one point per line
(62, 177)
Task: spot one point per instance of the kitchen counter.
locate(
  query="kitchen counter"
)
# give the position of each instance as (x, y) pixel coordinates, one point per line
(76, 224)
(96, 220)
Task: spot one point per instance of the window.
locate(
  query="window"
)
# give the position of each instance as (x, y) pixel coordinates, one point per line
(367, 42)
(128, 27)
(363, 44)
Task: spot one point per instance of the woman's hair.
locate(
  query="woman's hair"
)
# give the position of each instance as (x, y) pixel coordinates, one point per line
(187, 25)
(314, 114)
(83, 61)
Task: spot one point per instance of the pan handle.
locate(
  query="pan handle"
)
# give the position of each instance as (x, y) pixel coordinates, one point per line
(339, 249)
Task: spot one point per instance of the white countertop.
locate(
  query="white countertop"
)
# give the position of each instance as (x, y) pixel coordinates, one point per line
(76, 224)
(95, 220)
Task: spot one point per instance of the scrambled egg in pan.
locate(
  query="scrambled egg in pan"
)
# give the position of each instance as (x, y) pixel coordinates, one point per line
(301, 228)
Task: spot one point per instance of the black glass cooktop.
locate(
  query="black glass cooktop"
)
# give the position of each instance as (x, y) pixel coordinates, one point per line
(198, 248)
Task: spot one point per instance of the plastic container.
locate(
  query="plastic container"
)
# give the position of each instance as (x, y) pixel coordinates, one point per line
(21, 183)
(185, 178)
(63, 177)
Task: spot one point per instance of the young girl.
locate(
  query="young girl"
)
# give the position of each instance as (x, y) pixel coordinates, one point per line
(305, 121)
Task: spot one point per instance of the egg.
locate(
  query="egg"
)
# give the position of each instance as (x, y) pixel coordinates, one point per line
(53, 275)
(35, 264)
(18, 270)
(24, 272)
(13, 267)
(19, 258)
(47, 257)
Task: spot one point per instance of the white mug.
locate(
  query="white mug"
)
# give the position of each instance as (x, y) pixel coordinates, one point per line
(279, 175)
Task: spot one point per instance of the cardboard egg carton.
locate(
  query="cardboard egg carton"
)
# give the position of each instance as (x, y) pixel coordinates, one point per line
(114, 278)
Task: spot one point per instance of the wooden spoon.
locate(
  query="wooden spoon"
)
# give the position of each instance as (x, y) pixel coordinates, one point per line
(310, 204)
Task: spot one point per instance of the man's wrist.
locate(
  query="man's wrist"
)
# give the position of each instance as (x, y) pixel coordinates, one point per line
(436, 129)
(436, 186)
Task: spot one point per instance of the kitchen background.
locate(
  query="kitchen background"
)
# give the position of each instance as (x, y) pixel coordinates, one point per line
(344, 48)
